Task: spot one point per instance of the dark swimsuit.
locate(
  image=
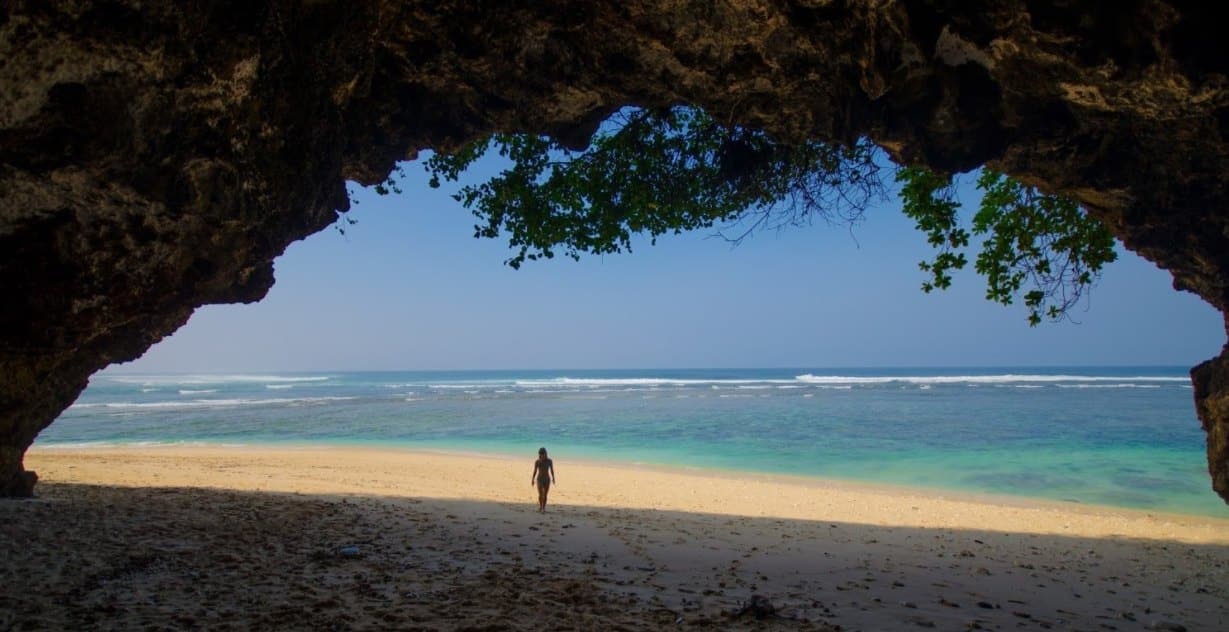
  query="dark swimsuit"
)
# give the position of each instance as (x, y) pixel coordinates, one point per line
(544, 467)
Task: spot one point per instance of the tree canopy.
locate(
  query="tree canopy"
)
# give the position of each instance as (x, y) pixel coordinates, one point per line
(1044, 247)
(658, 171)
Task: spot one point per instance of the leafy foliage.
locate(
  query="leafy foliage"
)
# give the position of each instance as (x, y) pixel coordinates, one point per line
(930, 199)
(658, 171)
(1047, 241)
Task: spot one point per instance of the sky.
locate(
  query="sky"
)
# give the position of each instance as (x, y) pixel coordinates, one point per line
(409, 287)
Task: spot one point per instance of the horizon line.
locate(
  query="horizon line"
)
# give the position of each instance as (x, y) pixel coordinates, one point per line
(213, 371)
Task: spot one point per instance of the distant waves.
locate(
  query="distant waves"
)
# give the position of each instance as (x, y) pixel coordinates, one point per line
(984, 379)
(208, 403)
(173, 380)
(135, 393)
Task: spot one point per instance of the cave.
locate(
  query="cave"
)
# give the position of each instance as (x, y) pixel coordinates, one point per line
(158, 155)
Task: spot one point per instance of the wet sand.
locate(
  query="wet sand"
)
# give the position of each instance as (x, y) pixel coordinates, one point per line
(321, 538)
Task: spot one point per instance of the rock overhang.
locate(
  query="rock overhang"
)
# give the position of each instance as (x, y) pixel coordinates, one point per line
(156, 156)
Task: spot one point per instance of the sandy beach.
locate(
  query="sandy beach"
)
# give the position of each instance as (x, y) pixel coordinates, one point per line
(323, 538)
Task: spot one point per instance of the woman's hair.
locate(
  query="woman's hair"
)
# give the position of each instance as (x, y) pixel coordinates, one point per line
(541, 450)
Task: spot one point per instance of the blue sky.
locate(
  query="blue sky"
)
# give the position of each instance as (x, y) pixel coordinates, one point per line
(408, 287)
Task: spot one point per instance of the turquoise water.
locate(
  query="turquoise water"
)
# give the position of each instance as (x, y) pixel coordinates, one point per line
(1123, 436)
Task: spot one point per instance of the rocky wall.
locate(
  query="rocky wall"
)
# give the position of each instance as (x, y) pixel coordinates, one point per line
(157, 155)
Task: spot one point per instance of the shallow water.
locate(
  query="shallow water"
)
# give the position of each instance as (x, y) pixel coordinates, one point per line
(1123, 436)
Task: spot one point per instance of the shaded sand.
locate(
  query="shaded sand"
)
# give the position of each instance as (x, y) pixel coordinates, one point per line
(257, 538)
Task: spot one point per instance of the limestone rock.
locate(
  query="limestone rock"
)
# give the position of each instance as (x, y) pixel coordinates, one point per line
(157, 155)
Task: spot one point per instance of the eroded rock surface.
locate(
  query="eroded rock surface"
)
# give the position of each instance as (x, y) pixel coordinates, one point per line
(156, 155)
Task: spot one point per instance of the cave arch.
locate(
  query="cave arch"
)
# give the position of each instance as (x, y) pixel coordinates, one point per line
(156, 156)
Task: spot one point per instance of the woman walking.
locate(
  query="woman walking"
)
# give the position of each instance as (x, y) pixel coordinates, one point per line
(543, 475)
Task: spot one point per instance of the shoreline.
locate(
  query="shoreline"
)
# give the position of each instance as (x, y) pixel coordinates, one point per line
(818, 482)
(254, 537)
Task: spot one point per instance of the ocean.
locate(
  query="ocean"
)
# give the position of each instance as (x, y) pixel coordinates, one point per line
(1119, 436)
